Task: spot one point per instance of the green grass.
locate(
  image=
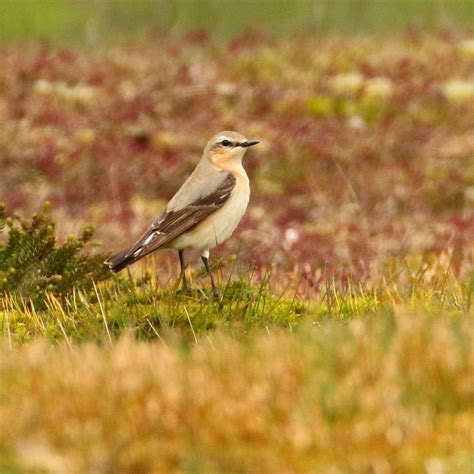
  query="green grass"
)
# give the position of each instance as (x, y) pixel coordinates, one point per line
(94, 22)
(139, 306)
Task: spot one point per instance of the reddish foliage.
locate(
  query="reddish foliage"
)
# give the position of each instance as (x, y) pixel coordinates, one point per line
(353, 177)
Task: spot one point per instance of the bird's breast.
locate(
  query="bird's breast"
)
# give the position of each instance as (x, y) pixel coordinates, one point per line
(220, 225)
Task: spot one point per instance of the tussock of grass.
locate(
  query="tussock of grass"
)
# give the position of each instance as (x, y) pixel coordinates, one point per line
(386, 392)
(33, 264)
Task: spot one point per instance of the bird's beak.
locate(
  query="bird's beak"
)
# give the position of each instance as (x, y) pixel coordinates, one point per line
(248, 143)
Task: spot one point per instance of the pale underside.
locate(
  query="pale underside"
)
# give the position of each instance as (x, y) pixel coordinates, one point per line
(218, 226)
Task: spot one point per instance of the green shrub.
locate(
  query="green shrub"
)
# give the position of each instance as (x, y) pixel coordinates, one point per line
(32, 263)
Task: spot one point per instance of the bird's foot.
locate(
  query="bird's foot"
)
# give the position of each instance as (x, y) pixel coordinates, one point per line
(196, 292)
(184, 290)
(187, 291)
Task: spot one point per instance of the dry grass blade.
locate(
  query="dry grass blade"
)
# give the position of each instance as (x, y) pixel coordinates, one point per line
(104, 316)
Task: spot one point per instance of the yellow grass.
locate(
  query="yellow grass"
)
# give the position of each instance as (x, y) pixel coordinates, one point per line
(375, 394)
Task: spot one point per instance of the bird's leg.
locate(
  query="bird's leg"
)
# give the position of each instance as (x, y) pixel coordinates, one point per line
(184, 283)
(205, 260)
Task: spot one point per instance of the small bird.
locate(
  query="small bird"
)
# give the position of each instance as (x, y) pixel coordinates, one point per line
(205, 210)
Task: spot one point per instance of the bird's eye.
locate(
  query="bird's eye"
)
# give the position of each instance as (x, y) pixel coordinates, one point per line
(226, 143)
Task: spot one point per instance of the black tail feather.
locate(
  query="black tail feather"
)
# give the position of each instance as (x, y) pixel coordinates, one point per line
(119, 261)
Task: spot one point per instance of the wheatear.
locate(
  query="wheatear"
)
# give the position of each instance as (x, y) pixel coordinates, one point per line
(205, 210)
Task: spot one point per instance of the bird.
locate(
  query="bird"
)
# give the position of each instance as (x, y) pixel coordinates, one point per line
(204, 212)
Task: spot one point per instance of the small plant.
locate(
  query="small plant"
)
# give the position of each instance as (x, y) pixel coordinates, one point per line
(32, 263)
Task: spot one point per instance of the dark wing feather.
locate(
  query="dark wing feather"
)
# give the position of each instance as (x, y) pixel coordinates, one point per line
(172, 224)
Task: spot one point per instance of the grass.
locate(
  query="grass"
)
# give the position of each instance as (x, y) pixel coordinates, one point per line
(104, 21)
(382, 392)
(140, 307)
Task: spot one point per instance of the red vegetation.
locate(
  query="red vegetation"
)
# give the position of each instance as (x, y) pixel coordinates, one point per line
(363, 156)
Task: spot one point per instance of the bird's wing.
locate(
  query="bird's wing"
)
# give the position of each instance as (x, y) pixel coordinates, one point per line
(172, 223)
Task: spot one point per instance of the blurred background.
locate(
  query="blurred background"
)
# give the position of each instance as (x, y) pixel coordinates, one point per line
(97, 21)
(343, 338)
(364, 109)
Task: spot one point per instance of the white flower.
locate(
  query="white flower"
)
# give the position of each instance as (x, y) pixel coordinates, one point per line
(43, 87)
(82, 93)
(85, 135)
(226, 88)
(469, 194)
(467, 47)
(356, 122)
(127, 90)
(458, 90)
(379, 88)
(291, 236)
(346, 83)
(434, 466)
(79, 93)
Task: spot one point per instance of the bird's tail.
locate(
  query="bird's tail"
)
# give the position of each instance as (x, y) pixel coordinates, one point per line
(120, 260)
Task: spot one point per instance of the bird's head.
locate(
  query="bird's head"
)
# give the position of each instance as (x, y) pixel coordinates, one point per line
(227, 147)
